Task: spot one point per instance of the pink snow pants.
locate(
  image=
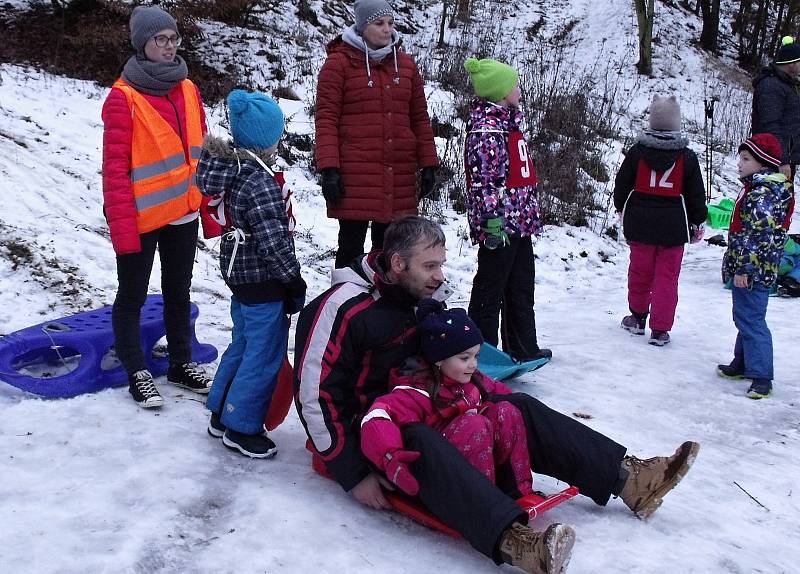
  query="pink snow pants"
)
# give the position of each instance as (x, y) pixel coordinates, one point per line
(653, 282)
(493, 438)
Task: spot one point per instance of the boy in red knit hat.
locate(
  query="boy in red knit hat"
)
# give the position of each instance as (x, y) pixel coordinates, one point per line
(755, 245)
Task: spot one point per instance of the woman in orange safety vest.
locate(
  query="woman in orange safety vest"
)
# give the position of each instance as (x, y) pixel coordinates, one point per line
(153, 130)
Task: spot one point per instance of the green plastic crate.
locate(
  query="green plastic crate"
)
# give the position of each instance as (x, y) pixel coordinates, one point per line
(719, 216)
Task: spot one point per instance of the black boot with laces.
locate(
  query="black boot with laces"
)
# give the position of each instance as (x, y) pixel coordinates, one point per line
(143, 390)
(189, 376)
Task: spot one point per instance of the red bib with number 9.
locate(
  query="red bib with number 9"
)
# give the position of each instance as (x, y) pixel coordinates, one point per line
(667, 183)
(521, 171)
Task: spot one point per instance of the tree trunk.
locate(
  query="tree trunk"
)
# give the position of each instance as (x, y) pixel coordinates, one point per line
(710, 33)
(440, 43)
(463, 10)
(644, 17)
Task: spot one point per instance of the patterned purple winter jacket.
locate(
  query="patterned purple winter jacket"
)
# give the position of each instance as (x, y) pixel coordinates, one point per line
(486, 161)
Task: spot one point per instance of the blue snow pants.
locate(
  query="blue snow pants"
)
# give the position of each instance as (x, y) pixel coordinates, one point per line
(248, 372)
(753, 349)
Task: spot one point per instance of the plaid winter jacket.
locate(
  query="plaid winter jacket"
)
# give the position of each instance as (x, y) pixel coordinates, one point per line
(255, 203)
(757, 232)
(487, 160)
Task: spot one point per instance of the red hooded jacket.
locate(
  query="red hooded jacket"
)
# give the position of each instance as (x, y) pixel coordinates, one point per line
(379, 136)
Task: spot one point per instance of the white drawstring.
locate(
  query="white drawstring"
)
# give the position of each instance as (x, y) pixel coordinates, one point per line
(261, 163)
(239, 237)
(369, 74)
(396, 71)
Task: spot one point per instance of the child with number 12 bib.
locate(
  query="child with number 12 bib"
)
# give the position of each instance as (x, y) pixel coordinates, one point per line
(503, 211)
(659, 191)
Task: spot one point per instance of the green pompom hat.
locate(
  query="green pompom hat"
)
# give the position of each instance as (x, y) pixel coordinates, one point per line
(789, 52)
(491, 79)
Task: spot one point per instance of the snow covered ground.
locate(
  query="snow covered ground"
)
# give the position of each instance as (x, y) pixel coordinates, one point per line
(94, 484)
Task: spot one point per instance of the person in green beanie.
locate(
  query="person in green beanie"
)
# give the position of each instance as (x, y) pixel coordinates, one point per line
(503, 211)
(776, 103)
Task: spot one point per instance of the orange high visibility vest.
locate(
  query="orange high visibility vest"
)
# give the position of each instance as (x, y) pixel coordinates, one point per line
(163, 180)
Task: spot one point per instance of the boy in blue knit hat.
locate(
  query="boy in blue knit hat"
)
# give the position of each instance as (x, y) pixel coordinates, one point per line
(259, 266)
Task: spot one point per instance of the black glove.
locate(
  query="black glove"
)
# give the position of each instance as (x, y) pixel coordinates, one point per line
(332, 187)
(295, 298)
(427, 183)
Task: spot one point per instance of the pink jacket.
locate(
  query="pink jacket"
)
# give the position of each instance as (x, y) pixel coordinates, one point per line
(409, 402)
(118, 202)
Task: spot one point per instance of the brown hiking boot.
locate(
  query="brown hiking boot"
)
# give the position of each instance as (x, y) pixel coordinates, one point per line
(649, 480)
(534, 552)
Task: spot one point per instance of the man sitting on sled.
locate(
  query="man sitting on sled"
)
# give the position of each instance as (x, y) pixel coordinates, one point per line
(349, 338)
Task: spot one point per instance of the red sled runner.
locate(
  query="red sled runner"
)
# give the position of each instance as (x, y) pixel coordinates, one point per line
(534, 504)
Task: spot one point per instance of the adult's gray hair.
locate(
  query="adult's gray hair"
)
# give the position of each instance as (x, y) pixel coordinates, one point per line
(404, 234)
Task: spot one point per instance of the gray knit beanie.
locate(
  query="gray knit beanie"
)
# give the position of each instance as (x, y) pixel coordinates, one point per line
(665, 114)
(146, 22)
(368, 10)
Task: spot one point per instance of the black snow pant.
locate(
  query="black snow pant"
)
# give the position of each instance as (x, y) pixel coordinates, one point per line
(504, 284)
(176, 248)
(464, 499)
(352, 235)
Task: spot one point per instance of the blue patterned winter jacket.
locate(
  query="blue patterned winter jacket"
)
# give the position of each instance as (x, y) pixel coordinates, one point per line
(757, 233)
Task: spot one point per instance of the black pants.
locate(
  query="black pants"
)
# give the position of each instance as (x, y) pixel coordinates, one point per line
(504, 284)
(464, 499)
(352, 235)
(176, 248)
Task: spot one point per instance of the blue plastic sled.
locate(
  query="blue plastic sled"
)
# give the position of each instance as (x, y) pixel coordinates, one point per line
(86, 339)
(498, 365)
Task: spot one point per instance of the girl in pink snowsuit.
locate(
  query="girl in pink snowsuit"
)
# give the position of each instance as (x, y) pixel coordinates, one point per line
(445, 390)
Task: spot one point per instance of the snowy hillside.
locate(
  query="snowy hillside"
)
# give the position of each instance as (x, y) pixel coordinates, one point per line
(94, 484)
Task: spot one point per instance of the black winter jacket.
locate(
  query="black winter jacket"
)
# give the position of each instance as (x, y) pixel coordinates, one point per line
(347, 341)
(654, 219)
(776, 110)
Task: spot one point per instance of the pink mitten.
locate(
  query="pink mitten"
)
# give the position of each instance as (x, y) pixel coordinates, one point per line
(397, 471)
(697, 233)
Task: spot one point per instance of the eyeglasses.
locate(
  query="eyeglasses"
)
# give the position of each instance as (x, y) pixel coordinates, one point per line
(162, 41)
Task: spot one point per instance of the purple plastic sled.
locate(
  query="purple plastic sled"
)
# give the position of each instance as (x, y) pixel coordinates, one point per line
(85, 338)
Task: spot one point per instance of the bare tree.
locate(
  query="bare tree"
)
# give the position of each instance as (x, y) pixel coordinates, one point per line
(709, 10)
(644, 17)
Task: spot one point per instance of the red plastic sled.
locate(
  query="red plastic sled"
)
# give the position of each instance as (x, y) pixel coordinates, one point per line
(534, 504)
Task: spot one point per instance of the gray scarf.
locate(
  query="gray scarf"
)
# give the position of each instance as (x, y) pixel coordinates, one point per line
(353, 38)
(663, 140)
(350, 36)
(154, 78)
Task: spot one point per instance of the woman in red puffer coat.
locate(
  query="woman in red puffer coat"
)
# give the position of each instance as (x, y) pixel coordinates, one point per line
(373, 132)
(153, 129)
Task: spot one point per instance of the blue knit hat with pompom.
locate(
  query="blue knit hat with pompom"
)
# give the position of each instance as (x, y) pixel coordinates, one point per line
(445, 332)
(256, 120)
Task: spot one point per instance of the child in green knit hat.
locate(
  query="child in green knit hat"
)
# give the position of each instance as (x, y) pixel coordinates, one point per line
(502, 209)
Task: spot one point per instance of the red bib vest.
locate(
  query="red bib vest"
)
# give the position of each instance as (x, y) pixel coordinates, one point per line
(521, 169)
(667, 183)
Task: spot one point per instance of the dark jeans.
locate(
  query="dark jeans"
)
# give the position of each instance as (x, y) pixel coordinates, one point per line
(176, 248)
(504, 284)
(464, 499)
(352, 235)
